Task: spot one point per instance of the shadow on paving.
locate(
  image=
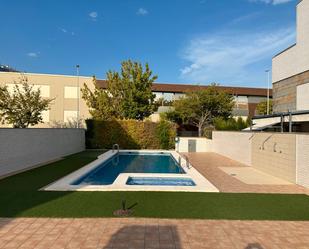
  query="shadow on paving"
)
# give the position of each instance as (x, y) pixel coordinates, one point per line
(163, 237)
(144, 237)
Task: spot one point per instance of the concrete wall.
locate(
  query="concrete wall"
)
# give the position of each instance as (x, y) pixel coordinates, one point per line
(21, 149)
(295, 60)
(235, 145)
(284, 155)
(274, 153)
(302, 97)
(302, 160)
(62, 88)
(202, 144)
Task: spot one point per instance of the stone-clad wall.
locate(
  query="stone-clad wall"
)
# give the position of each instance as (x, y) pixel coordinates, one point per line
(284, 92)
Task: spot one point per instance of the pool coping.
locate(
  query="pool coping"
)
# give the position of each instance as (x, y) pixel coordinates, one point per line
(202, 184)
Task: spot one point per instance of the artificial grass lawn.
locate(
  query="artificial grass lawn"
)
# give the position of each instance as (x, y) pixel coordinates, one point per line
(19, 197)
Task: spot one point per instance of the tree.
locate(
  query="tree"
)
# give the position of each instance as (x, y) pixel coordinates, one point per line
(262, 107)
(231, 124)
(24, 106)
(199, 108)
(128, 94)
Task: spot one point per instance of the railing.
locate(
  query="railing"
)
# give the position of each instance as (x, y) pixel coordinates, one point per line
(187, 161)
(116, 146)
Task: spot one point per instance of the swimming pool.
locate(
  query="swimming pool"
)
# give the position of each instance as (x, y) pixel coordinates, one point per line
(160, 181)
(135, 170)
(130, 162)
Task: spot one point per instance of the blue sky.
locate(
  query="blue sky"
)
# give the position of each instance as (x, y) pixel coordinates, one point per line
(230, 42)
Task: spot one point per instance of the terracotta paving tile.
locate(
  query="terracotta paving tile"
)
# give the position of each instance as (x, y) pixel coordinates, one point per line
(153, 234)
(208, 164)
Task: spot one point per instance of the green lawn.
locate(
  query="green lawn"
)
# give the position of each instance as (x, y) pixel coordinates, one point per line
(19, 196)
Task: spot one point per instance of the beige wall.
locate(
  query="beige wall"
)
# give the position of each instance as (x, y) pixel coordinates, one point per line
(302, 160)
(62, 88)
(202, 144)
(302, 97)
(296, 59)
(21, 149)
(274, 153)
(235, 145)
(284, 155)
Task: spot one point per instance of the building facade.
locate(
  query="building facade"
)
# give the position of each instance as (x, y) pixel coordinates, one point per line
(290, 68)
(246, 99)
(290, 76)
(68, 103)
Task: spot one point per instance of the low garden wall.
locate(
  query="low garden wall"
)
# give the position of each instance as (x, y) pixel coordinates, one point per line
(21, 149)
(235, 145)
(201, 144)
(130, 134)
(284, 155)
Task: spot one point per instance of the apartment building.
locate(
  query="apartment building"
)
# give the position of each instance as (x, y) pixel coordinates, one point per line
(67, 103)
(290, 68)
(246, 99)
(290, 78)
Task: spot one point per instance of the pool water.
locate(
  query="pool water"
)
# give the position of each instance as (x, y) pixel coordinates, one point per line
(160, 181)
(131, 162)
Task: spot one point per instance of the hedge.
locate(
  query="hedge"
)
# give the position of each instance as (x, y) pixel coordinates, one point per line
(130, 134)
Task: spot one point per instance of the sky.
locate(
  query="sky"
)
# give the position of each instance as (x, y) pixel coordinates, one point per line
(230, 42)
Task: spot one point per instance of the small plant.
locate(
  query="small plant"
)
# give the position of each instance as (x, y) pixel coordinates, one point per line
(125, 211)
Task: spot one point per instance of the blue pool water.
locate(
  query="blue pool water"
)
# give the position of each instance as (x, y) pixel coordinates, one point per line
(132, 162)
(160, 181)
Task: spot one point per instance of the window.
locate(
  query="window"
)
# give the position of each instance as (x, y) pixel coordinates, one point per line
(44, 89)
(302, 97)
(69, 115)
(11, 87)
(159, 95)
(168, 96)
(70, 92)
(45, 116)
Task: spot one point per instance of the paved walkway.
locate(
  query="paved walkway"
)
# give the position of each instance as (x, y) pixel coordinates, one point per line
(138, 233)
(209, 164)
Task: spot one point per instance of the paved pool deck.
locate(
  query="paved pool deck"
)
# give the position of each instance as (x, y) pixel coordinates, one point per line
(139, 233)
(215, 167)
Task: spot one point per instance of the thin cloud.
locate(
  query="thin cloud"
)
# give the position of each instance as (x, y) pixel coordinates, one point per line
(142, 12)
(246, 18)
(65, 31)
(93, 15)
(273, 2)
(33, 54)
(228, 56)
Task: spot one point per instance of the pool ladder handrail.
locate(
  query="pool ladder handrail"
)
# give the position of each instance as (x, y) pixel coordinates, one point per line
(117, 147)
(187, 161)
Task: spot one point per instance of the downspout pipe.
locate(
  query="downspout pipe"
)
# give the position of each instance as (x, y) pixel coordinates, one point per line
(290, 122)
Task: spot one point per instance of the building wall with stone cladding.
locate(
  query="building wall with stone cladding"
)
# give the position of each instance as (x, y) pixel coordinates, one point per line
(285, 92)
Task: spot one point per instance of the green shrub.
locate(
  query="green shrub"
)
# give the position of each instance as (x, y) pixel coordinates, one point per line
(231, 124)
(129, 134)
(207, 132)
(165, 132)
